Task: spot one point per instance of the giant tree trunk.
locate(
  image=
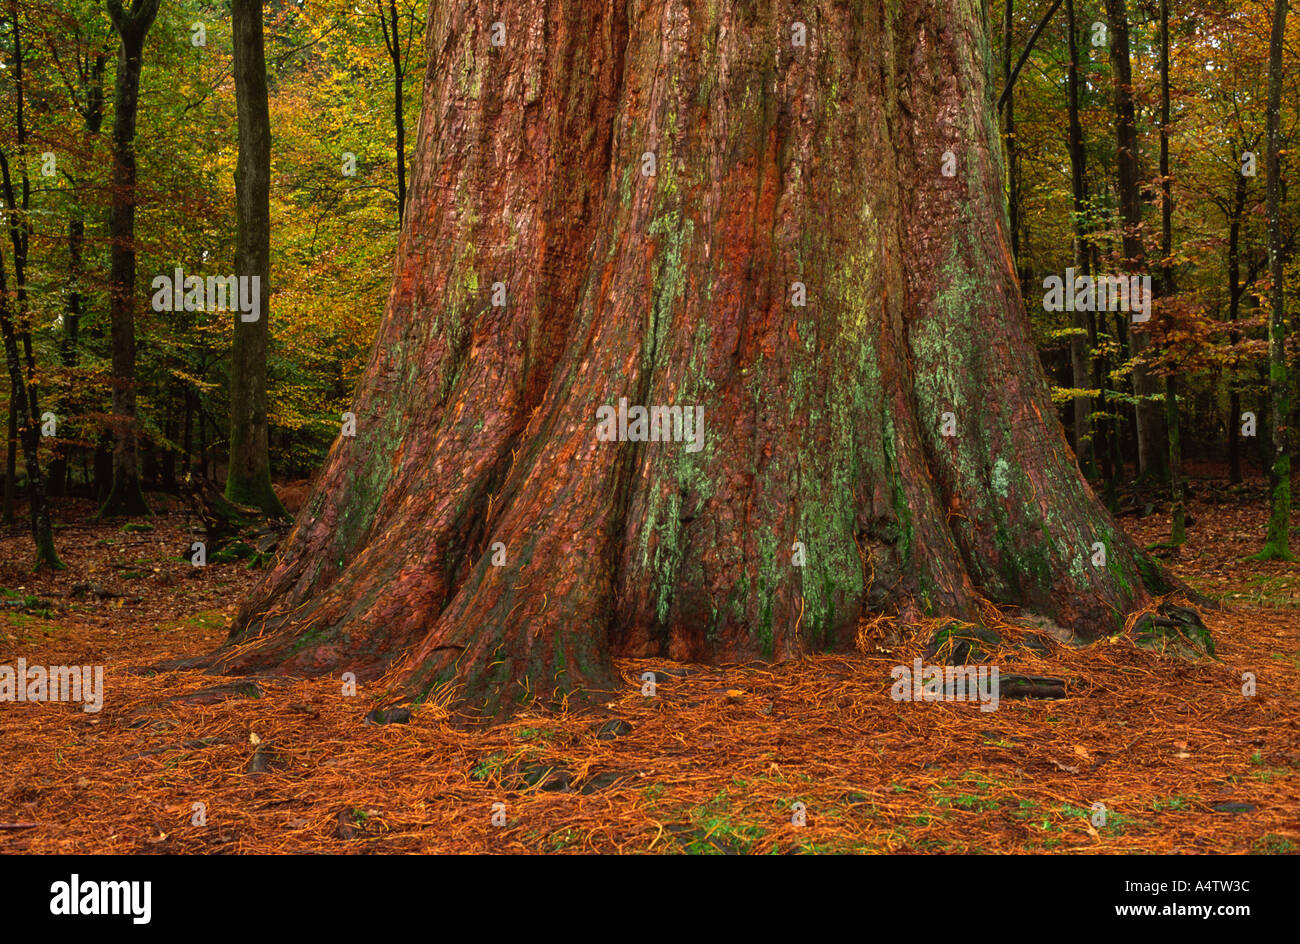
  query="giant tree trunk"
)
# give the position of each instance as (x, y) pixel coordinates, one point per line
(248, 479)
(477, 533)
(125, 496)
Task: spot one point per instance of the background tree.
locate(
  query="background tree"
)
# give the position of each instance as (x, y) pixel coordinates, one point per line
(131, 24)
(399, 48)
(249, 477)
(1177, 512)
(1009, 126)
(18, 226)
(1277, 541)
(27, 420)
(1080, 362)
(1151, 437)
(81, 72)
(24, 411)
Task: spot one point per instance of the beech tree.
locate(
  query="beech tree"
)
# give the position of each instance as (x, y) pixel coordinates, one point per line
(1148, 415)
(249, 477)
(786, 219)
(24, 411)
(132, 25)
(1177, 512)
(1277, 542)
(399, 50)
(1084, 324)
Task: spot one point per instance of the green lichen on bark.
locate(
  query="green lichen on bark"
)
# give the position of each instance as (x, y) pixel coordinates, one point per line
(821, 423)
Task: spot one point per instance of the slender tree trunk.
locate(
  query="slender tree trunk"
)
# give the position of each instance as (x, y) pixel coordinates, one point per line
(1235, 290)
(56, 481)
(694, 223)
(24, 410)
(248, 478)
(125, 496)
(68, 343)
(1009, 132)
(187, 437)
(1081, 368)
(394, 45)
(26, 419)
(1151, 438)
(1177, 512)
(1125, 440)
(11, 456)
(1177, 497)
(103, 483)
(167, 461)
(1277, 543)
(72, 309)
(205, 466)
(92, 115)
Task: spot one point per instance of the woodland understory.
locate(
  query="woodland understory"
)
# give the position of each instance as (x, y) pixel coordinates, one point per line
(712, 764)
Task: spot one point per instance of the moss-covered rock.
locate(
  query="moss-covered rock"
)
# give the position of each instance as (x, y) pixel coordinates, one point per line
(234, 551)
(1174, 631)
(958, 643)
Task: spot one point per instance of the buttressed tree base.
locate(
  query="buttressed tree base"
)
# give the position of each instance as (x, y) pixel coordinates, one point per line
(771, 239)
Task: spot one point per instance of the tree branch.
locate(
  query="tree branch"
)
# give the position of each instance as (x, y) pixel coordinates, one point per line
(1024, 56)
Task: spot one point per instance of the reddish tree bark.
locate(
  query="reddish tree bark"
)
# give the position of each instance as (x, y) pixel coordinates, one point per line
(821, 164)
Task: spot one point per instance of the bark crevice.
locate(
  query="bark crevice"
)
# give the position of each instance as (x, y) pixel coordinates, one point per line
(825, 488)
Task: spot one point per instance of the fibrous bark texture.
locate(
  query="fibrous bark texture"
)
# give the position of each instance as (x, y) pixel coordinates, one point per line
(631, 201)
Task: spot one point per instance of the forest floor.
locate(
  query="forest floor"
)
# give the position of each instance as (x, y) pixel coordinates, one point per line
(715, 762)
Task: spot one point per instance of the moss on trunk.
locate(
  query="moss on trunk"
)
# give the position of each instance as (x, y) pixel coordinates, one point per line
(878, 436)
